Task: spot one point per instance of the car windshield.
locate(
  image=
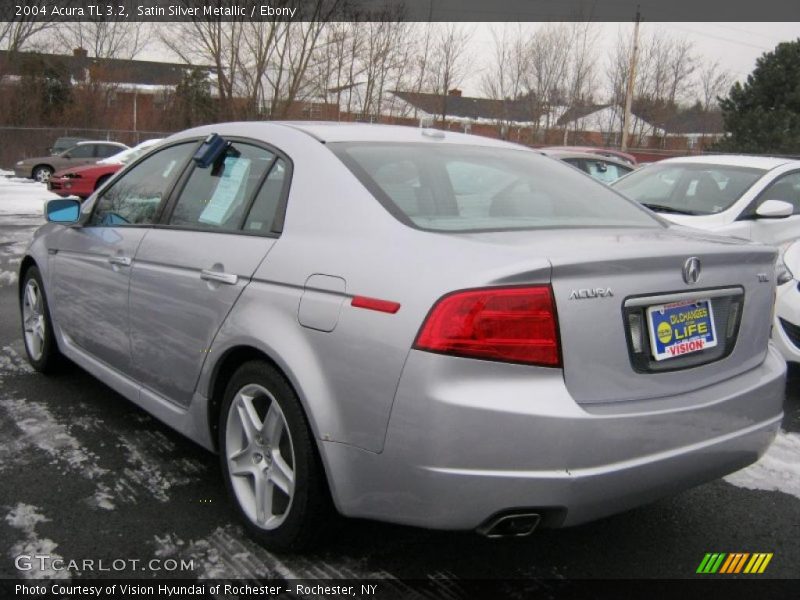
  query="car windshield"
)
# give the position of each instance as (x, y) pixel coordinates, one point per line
(449, 187)
(692, 189)
(129, 155)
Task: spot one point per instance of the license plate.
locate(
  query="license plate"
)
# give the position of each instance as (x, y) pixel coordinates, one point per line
(681, 328)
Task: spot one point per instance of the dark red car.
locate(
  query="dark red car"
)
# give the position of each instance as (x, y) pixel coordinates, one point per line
(83, 181)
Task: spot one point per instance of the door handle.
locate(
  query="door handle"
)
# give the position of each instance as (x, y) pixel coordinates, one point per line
(219, 277)
(122, 261)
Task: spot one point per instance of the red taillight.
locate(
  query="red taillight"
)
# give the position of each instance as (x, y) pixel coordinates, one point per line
(515, 324)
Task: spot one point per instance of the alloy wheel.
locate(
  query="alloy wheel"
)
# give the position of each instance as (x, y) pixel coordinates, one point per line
(33, 319)
(260, 456)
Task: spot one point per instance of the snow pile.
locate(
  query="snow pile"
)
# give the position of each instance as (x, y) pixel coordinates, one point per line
(22, 196)
(778, 470)
(25, 518)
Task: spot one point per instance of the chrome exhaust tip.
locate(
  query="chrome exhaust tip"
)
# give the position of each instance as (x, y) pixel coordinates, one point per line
(510, 525)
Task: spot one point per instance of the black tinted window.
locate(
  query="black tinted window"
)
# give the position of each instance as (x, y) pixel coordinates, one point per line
(105, 150)
(218, 196)
(135, 197)
(262, 214)
(83, 151)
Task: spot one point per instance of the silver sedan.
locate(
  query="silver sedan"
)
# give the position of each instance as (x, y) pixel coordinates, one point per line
(408, 325)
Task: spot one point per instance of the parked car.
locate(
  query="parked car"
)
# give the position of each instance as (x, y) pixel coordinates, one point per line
(786, 325)
(415, 326)
(83, 181)
(605, 169)
(41, 168)
(610, 152)
(753, 197)
(65, 143)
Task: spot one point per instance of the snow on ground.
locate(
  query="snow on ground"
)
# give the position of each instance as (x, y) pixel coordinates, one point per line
(41, 429)
(778, 470)
(22, 196)
(228, 552)
(25, 518)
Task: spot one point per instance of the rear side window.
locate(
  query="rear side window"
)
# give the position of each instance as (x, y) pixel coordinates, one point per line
(105, 150)
(449, 187)
(135, 197)
(262, 215)
(83, 151)
(605, 171)
(218, 196)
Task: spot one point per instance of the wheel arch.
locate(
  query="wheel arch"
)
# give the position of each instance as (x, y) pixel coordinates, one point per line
(27, 262)
(36, 166)
(220, 374)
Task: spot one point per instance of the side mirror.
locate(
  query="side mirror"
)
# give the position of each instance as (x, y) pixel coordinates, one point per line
(774, 209)
(63, 210)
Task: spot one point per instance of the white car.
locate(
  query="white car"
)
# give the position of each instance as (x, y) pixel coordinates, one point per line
(753, 197)
(786, 320)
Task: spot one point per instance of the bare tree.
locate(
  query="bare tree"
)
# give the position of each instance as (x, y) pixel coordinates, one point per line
(713, 81)
(19, 34)
(102, 38)
(449, 59)
(214, 42)
(549, 51)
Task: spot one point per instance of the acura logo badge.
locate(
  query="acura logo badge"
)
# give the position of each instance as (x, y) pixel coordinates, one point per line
(691, 270)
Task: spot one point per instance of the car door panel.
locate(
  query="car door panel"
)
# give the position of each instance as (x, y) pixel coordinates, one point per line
(176, 309)
(91, 289)
(190, 273)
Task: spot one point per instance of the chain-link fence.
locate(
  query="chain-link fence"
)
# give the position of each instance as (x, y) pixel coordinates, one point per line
(17, 143)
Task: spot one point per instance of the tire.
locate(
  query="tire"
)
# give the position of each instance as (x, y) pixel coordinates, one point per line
(42, 173)
(37, 326)
(265, 443)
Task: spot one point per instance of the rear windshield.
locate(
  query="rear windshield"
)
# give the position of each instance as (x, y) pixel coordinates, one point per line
(448, 187)
(692, 189)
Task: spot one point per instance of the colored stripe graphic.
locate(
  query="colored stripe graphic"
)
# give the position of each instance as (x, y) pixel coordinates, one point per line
(711, 562)
(734, 562)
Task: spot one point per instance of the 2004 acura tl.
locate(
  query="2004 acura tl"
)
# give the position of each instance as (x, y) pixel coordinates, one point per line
(412, 326)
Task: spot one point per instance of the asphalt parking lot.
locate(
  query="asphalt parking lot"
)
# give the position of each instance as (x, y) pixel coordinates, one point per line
(85, 474)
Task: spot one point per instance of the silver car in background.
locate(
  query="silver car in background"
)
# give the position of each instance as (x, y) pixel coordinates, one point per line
(409, 325)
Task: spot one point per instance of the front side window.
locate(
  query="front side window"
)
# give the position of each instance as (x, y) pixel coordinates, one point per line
(449, 187)
(135, 198)
(693, 189)
(786, 188)
(218, 196)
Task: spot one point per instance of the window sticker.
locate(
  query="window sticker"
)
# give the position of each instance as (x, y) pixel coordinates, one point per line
(222, 203)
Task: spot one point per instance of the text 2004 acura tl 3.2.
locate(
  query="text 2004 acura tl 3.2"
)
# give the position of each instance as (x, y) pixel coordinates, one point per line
(412, 326)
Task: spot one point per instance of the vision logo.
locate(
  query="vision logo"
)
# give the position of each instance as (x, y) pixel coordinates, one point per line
(736, 562)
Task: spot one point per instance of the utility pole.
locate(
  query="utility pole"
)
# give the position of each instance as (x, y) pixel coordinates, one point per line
(626, 123)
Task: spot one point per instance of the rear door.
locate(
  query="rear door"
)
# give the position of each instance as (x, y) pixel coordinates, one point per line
(191, 269)
(93, 262)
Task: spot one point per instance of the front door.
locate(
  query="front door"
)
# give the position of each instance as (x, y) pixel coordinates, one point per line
(93, 262)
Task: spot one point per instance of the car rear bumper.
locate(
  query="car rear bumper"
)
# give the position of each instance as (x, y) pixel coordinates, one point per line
(470, 439)
(22, 172)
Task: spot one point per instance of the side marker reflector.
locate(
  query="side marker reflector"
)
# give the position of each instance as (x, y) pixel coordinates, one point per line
(375, 304)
